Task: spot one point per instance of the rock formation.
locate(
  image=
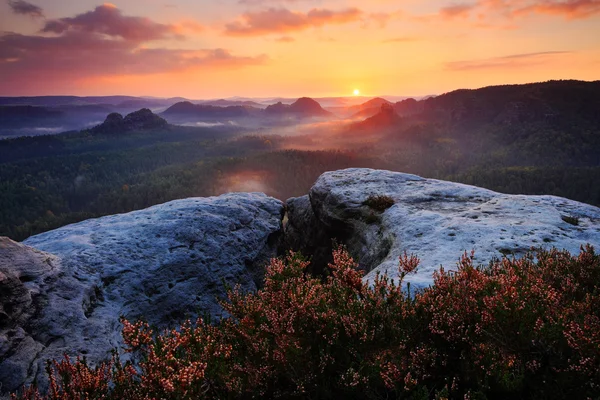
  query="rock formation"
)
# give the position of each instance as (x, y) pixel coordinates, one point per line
(436, 220)
(163, 264)
(303, 107)
(140, 120)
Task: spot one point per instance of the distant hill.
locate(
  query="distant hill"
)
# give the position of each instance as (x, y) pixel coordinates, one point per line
(409, 107)
(188, 111)
(384, 120)
(141, 120)
(363, 110)
(202, 111)
(549, 102)
(230, 103)
(14, 114)
(119, 101)
(303, 107)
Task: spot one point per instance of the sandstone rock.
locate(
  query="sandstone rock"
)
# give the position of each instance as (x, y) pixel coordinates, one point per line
(305, 233)
(438, 221)
(23, 273)
(163, 264)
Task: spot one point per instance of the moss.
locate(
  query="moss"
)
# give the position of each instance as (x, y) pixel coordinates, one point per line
(570, 220)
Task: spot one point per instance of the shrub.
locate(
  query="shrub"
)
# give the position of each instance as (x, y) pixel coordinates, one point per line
(379, 203)
(527, 328)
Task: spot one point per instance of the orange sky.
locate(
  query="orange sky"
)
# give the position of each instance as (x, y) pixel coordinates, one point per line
(260, 48)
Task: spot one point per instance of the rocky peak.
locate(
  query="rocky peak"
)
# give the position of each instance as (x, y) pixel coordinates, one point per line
(140, 120)
(386, 118)
(307, 105)
(181, 107)
(304, 106)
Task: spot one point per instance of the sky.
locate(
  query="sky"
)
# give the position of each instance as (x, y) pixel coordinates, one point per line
(204, 49)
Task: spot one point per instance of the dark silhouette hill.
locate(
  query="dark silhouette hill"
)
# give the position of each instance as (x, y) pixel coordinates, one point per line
(141, 120)
(229, 103)
(369, 108)
(363, 110)
(126, 101)
(384, 120)
(303, 107)
(14, 115)
(190, 110)
(409, 107)
(552, 101)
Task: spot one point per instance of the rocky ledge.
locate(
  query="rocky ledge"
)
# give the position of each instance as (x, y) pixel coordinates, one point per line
(63, 291)
(380, 214)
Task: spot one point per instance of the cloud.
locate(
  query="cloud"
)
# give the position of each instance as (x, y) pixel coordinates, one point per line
(25, 8)
(495, 13)
(103, 43)
(457, 10)
(108, 20)
(41, 55)
(510, 61)
(570, 9)
(281, 20)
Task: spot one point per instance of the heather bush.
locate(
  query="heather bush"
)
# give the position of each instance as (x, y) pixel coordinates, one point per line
(519, 328)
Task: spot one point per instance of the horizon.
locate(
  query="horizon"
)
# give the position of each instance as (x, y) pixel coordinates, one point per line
(323, 48)
(365, 97)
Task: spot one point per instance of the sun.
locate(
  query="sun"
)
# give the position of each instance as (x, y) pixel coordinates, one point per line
(356, 92)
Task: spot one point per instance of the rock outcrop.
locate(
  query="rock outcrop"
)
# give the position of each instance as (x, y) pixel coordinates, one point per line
(141, 120)
(164, 264)
(436, 220)
(304, 107)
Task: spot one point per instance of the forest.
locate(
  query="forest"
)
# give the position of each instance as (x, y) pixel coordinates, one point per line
(533, 141)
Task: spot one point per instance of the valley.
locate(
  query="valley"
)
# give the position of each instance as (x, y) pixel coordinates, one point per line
(539, 138)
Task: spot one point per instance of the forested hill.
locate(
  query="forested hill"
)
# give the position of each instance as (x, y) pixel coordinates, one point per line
(559, 102)
(541, 138)
(555, 123)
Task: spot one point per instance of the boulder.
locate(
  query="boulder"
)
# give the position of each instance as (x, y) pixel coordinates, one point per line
(63, 291)
(380, 214)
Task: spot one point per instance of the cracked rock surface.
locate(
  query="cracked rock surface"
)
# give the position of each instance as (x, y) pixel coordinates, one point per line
(63, 291)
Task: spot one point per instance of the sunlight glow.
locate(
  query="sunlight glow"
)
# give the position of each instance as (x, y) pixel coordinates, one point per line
(356, 92)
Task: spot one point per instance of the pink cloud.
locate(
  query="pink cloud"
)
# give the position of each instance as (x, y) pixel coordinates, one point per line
(457, 10)
(107, 19)
(281, 20)
(25, 8)
(510, 61)
(571, 9)
(103, 43)
(488, 13)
